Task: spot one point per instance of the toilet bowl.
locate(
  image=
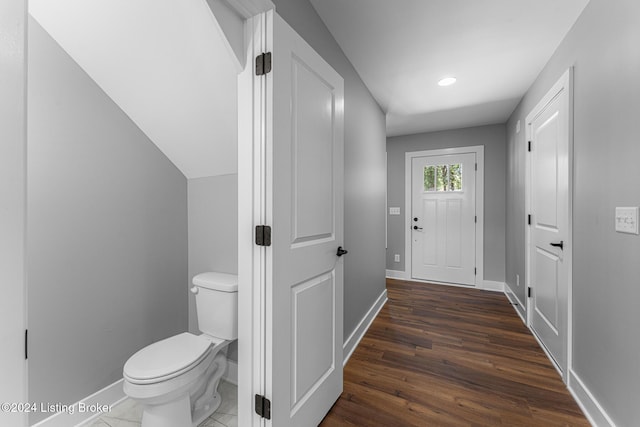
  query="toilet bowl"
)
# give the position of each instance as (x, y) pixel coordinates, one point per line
(176, 380)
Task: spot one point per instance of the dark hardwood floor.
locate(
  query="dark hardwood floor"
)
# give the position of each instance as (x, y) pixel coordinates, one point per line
(447, 356)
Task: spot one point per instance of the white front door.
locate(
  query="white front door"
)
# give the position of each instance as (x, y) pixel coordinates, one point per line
(443, 218)
(548, 131)
(304, 192)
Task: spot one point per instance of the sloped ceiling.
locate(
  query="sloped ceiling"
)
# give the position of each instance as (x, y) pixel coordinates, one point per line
(165, 63)
(402, 48)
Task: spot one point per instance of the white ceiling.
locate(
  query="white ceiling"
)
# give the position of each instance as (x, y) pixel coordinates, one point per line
(167, 67)
(402, 48)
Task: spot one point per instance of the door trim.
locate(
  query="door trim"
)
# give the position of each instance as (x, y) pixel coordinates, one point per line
(564, 83)
(13, 206)
(252, 211)
(478, 150)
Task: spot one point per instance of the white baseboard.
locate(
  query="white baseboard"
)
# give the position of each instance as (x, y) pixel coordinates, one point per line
(489, 285)
(516, 303)
(232, 372)
(71, 415)
(396, 274)
(594, 412)
(352, 342)
(74, 415)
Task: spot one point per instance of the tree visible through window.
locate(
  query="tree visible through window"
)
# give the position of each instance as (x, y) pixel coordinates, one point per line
(443, 178)
(429, 178)
(455, 177)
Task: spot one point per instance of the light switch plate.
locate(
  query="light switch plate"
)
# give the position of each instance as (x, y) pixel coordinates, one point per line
(627, 220)
(394, 211)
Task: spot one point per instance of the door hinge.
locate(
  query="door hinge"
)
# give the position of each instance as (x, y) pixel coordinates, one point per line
(263, 64)
(475, 271)
(529, 219)
(529, 148)
(476, 219)
(263, 407)
(529, 292)
(476, 166)
(26, 344)
(263, 235)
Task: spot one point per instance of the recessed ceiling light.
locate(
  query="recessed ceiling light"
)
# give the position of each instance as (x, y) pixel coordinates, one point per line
(447, 81)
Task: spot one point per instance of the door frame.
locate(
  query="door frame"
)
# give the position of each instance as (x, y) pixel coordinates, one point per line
(253, 167)
(478, 150)
(564, 83)
(13, 206)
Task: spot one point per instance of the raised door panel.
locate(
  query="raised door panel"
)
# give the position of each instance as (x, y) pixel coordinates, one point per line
(453, 237)
(313, 334)
(546, 173)
(429, 232)
(546, 301)
(312, 154)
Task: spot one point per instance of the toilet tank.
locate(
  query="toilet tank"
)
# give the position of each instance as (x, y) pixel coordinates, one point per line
(217, 304)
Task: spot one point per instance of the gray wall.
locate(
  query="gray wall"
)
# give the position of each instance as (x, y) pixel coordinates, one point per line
(107, 233)
(364, 167)
(603, 46)
(213, 233)
(494, 141)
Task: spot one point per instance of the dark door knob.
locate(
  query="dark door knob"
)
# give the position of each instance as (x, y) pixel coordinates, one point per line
(415, 219)
(558, 245)
(415, 227)
(341, 251)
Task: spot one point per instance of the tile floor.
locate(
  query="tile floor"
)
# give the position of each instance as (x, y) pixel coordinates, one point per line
(128, 414)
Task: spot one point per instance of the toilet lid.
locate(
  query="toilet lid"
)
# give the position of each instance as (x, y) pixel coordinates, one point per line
(167, 358)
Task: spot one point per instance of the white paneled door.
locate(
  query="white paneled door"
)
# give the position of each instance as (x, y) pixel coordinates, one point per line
(548, 131)
(443, 218)
(305, 197)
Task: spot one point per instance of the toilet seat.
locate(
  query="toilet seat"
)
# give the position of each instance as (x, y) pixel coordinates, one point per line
(167, 359)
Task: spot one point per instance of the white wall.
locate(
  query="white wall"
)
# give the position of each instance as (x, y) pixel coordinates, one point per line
(604, 49)
(107, 233)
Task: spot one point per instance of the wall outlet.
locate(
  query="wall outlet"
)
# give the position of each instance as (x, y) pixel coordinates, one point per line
(396, 257)
(518, 127)
(394, 211)
(627, 220)
(517, 280)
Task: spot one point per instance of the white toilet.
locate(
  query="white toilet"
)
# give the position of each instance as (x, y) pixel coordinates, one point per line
(176, 379)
